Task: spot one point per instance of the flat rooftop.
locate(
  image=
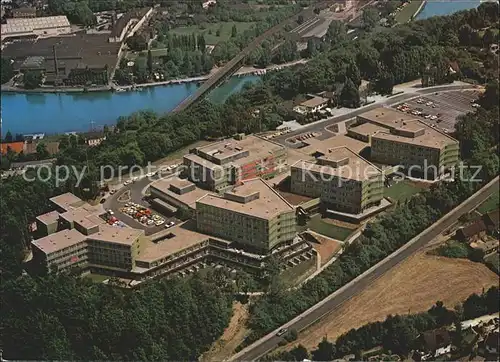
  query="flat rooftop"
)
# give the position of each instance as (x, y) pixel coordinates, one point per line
(91, 50)
(58, 241)
(351, 165)
(268, 204)
(82, 216)
(398, 123)
(387, 117)
(171, 241)
(48, 218)
(117, 235)
(189, 198)
(314, 102)
(67, 201)
(315, 145)
(430, 137)
(27, 25)
(257, 148)
(367, 129)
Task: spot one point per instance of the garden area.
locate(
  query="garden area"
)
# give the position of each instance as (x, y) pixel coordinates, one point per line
(403, 190)
(325, 226)
(492, 203)
(213, 32)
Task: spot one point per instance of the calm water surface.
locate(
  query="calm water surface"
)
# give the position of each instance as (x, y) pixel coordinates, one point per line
(57, 113)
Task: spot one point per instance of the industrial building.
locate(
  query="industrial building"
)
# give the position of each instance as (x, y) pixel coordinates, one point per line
(342, 180)
(399, 139)
(33, 27)
(252, 214)
(78, 59)
(219, 165)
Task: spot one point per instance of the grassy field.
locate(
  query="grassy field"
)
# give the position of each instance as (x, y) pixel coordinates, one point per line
(401, 191)
(407, 12)
(412, 287)
(493, 262)
(97, 278)
(320, 226)
(492, 203)
(205, 29)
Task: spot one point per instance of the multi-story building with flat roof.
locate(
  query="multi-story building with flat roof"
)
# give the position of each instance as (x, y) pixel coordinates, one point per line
(251, 214)
(399, 139)
(174, 193)
(219, 165)
(79, 237)
(342, 180)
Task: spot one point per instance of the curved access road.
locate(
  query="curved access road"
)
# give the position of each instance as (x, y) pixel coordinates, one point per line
(333, 301)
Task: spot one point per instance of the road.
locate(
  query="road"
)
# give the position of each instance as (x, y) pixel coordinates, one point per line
(135, 190)
(320, 125)
(332, 302)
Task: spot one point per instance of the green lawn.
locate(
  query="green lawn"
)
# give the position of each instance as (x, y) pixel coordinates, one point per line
(492, 261)
(320, 226)
(401, 191)
(407, 12)
(205, 29)
(492, 203)
(97, 278)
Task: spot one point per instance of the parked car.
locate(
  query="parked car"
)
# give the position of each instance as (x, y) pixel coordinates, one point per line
(281, 332)
(169, 224)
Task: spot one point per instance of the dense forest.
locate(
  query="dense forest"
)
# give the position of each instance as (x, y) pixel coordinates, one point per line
(80, 313)
(65, 318)
(397, 333)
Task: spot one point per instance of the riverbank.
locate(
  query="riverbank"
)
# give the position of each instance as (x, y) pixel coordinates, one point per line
(244, 71)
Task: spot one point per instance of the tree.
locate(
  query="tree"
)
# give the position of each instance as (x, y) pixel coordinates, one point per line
(32, 79)
(300, 19)
(299, 353)
(370, 18)
(311, 48)
(337, 32)
(384, 83)
(137, 42)
(41, 151)
(201, 43)
(7, 72)
(234, 31)
(324, 352)
(349, 97)
(8, 137)
(150, 61)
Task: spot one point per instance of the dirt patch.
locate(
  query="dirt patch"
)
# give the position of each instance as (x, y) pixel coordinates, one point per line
(326, 247)
(412, 287)
(233, 335)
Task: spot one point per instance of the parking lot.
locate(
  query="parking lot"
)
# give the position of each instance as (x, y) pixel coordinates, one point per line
(441, 109)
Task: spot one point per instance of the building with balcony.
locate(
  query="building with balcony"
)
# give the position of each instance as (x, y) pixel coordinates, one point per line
(343, 180)
(252, 214)
(399, 139)
(79, 237)
(220, 165)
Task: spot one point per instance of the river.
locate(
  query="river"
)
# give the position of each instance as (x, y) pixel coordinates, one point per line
(439, 8)
(67, 112)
